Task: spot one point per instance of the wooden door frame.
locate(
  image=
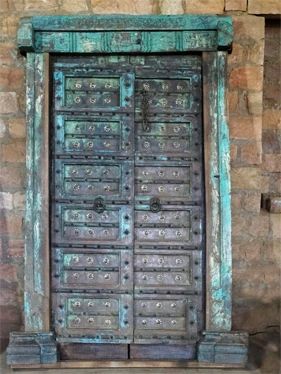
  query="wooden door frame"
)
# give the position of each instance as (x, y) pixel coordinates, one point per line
(40, 36)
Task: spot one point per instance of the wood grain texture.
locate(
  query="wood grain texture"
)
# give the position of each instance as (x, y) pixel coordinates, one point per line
(218, 209)
(99, 33)
(36, 300)
(161, 352)
(87, 352)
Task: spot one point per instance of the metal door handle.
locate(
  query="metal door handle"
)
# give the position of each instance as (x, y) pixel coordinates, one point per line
(155, 205)
(99, 205)
(145, 109)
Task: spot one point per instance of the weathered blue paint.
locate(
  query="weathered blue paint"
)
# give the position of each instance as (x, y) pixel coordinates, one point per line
(119, 33)
(125, 33)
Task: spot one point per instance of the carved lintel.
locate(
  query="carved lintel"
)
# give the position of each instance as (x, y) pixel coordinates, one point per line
(32, 348)
(25, 35)
(224, 347)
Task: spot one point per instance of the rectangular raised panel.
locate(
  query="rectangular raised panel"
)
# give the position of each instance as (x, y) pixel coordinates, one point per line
(102, 318)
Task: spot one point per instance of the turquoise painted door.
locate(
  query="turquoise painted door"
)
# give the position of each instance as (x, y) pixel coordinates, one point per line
(127, 199)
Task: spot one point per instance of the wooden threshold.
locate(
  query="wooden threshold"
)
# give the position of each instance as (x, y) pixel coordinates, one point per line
(127, 364)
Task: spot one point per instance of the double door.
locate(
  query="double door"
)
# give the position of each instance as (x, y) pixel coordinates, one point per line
(127, 200)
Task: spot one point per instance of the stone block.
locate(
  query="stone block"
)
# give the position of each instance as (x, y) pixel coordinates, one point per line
(8, 272)
(246, 53)
(12, 177)
(123, 6)
(7, 53)
(233, 152)
(8, 103)
(245, 127)
(251, 154)
(264, 7)
(272, 163)
(19, 200)
(40, 6)
(17, 127)
(15, 248)
(275, 225)
(171, 7)
(272, 119)
(254, 102)
(247, 77)
(246, 178)
(248, 28)
(204, 6)
(14, 152)
(236, 5)
(6, 200)
(74, 6)
(271, 141)
(11, 78)
(8, 27)
(11, 223)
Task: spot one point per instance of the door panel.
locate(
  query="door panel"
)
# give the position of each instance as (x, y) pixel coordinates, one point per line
(127, 201)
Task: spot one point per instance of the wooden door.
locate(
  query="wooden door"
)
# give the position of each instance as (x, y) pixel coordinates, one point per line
(127, 205)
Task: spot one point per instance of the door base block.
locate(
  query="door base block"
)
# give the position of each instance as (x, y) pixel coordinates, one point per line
(223, 347)
(32, 348)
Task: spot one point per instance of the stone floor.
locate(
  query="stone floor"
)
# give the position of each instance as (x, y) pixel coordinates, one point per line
(264, 358)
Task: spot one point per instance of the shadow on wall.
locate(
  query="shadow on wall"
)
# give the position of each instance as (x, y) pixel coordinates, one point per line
(10, 294)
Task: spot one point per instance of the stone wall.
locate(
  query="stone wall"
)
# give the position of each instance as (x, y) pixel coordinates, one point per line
(255, 148)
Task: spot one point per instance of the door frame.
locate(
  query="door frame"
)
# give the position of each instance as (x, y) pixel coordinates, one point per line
(41, 36)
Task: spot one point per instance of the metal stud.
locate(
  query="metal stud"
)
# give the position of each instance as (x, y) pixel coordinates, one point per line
(91, 128)
(165, 86)
(90, 187)
(158, 322)
(144, 322)
(74, 171)
(75, 259)
(75, 215)
(90, 260)
(107, 144)
(93, 100)
(107, 304)
(162, 218)
(173, 305)
(77, 99)
(161, 173)
(107, 276)
(77, 320)
(78, 85)
(75, 275)
(76, 232)
(179, 233)
(145, 172)
(146, 144)
(91, 320)
(76, 187)
(159, 305)
(91, 276)
(93, 85)
(176, 173)
(145, 260)
(162, 233)
(143, 305)
(161, 260)
(146, 233)
(144, 188)
(90, 304)
(91, 232)
(90, 144)
(163, 102)
(145, 217)
(89, 216)
(105, 232)
(107, 100)
(107, 128)
(179, 87)
(108, 85)
(107, 188)
(77, 304)
(88, 171)
(178, 278)
(105, 260)
(179, 102)
(176, 145)
(176, 129)
(161, 188)
(179, 261)
(76, 144)
(177, 189)
(173, 322)
(144, 277)
(105, 172)
(107, 322)
(159, 277)
(146, 86)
